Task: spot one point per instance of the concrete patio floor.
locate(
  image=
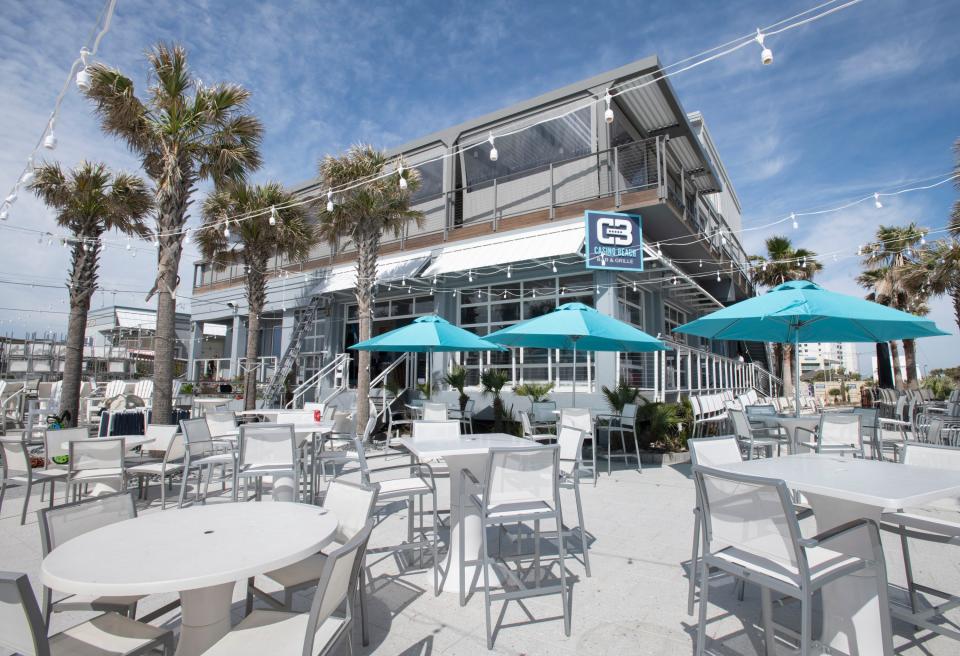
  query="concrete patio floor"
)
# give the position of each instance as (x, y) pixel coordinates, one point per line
(640, 525)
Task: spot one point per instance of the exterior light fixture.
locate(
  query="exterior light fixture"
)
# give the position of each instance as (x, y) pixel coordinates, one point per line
(876, 201)
(403, 180)
(50, 141)
(493, 148)
(330, 200)
(509, 271)
(553, 266)
(84, 79)
(766, 55)
(793, 219)
(273, 215)
(608, 114)
(4, 212)
(29, 174)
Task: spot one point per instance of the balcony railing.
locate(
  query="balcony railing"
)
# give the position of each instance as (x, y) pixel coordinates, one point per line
(611, 173)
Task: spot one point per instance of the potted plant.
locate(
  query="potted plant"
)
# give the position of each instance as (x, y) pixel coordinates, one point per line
(491, 383)
(457, 379)
(536, 392)
(620, 396)
(424, 389)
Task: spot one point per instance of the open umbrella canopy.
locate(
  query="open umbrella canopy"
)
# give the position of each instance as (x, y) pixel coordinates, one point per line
(803, 311)
(575, 325)
(427, 334)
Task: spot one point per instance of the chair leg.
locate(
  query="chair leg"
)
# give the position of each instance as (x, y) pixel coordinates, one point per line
(163, 491)
(694, 556)
(183, 485)
(563, 574)
(53, 491)
(908, 567)
(436, 554)
(3, 492)
(248, 604)
(26, 502)
(362, 593)
(636, 445)
(486, 582)
(583, 533)
(704, 600)
(462, 554)
(769, 636)
(806, 627)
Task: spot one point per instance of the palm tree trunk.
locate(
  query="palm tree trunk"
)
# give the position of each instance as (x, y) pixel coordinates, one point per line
(955, 297)
(910, 359)
(367, 246)
(895, 357)
(172, 206)
(256, 297)
(82, 279)
(786, 366)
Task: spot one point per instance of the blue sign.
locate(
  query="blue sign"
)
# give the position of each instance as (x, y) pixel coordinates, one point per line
(614, 241)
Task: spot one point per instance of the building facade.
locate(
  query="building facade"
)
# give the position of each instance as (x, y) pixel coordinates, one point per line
(828, 356)
(503, 240)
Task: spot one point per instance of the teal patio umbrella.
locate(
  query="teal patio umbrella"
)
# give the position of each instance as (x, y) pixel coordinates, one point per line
(803, 311)
(427, 334)
(575, 326)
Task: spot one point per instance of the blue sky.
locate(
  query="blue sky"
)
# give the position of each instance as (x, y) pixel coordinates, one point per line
(858, 102)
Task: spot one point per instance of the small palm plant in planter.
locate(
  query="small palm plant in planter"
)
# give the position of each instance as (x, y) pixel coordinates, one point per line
(620, 396)
(492, 382)
(457, 379)
(664, 422)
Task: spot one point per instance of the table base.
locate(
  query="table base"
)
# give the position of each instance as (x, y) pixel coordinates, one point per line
(205, 618)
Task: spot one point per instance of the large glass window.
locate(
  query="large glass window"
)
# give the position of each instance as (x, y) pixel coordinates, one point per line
(388, 314)
(636, 369)
(431, 181)
(536, 147)
(673, 318)
(484, 309)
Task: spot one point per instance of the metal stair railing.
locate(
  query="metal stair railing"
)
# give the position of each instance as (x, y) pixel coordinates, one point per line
(275, 387)
(336, 367)
(380, 380)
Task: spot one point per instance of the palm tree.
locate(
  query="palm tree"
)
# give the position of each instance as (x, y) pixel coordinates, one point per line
(890, 259)
(88, 202)
(273, 227)
(783, 263)
(184, 132)
(362, 214)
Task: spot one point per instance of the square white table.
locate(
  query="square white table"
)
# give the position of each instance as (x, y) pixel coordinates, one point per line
(463, 452)
(841, 490)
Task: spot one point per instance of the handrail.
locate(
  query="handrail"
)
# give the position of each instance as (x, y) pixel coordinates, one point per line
(314, 380)
(381, 379)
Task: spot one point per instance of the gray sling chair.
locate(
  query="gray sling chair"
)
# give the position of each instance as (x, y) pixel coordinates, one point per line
(839, 433)
(418, 483)
(523, 485)
(571, 466)
(352, 504)
(202, 452)
(751, 532)
(22, 628)
(17, 470)
(921, 527)
(267, 449)
(621, 424)
(317, 632)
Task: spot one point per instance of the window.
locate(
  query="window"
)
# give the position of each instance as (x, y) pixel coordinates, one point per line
(431, 181)
(636, 369)
(536, 147)
(673, 319)
(388, 314)
(484, 310)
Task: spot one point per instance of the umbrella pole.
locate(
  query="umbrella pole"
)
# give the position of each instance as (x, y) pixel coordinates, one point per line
(796, 372)
(574, 373)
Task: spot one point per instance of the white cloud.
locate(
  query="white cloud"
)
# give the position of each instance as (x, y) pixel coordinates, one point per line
(881, 60)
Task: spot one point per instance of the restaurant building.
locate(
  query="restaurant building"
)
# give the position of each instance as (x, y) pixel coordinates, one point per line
(504, 239)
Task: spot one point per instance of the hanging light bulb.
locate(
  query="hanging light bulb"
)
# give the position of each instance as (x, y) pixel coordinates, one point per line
(674, 280)
(923, 242)
(504, 293)
(226, 230)
(793, 219)
(534, 293)
(50, 141)
(431, 291)
(330, 200)
(718, 275)
(876, 201)
(84, 79)
(12, 198)
(553, 266)
(493, 148)
(403, 282)
(659, 252)
(4, 212)
(701, 264)
(803, 263)
(859, 251)
(470, 275)
(608, 114)
(273, 215)
(509, 271)
(403, 180)
(29, 174)
(723, 238)
(634, 285)
(766, 55)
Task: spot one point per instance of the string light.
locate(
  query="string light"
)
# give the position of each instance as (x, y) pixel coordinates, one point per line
(718, 275)
(84, 79)
(470, 275)
(403, 180)
(4, 212)
(659, 252)
(608, 114)
(226, 230)
(273, 216)
(330, 200)
(766, 55)
(793, 219)
(50, 141)
(509, 272)
(876, 201)
(701, 264)
(553, 266)
(28, 175)
(493, 148)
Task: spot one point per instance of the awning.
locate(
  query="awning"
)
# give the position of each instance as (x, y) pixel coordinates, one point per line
(345, 277)
(555, 241)
(215, 329)
(145, 320)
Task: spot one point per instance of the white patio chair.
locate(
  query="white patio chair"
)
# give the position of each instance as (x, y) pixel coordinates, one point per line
(530, 434)
(709, 452)
(222, 425)
(571, 465)
(267, 450)
(352, 504)
(434, 411)
(17, 470)
(23, 630)
(202, 452)
(57, 525)
(97, 461)
(174, 452)
(417, 484)
(752, 440)
(543, 416)
(53, 447)
(465, 416)
(914, 524)
(316, 632)
(751, 532)
(439, 429)
(838, 433)
(523, 485)
(621, 424)
(580, 418)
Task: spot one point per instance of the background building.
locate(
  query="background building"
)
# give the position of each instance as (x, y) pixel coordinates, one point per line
(503, 241)
(824, 356)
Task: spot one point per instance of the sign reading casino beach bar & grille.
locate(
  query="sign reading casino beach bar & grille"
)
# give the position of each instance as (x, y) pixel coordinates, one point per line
(614, 241)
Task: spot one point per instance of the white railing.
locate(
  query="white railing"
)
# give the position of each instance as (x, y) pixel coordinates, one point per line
(379, 382)
(336, 369)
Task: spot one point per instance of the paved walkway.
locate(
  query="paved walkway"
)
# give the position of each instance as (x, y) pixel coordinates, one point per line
(635, 602)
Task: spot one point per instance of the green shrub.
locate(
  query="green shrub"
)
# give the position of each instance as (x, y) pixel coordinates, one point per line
(492, 382)
(620, 396)
(457, 379)
(536, 392)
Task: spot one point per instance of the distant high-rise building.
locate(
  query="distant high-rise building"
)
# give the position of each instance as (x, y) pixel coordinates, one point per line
(817, 356)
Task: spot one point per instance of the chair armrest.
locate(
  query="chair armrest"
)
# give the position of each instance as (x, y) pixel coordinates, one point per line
(894, 422)
(805, 430)
(465, 475)
(835, 532)
(412, 465)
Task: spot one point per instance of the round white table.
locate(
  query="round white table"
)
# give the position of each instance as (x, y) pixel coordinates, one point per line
(198, 552)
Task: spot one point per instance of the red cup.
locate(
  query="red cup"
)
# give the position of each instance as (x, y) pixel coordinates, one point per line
(317, 415)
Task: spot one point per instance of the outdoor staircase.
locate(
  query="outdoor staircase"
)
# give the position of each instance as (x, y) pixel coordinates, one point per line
(757, 352)
(275, 387)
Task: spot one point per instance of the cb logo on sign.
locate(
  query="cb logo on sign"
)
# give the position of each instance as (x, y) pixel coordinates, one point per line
(614, 232)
